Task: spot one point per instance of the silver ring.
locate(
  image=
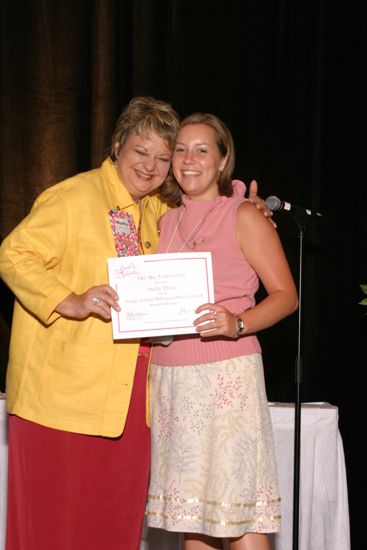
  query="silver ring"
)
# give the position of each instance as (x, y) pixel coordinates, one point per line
(96, 300)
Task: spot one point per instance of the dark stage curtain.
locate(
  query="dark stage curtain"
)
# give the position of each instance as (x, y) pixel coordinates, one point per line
(288, 79)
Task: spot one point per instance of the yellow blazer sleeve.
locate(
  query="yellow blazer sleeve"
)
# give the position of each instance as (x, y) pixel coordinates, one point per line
(29, 256)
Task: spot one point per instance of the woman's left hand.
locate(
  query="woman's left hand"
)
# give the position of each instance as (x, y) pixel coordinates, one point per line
(259, 202)
(216, 321)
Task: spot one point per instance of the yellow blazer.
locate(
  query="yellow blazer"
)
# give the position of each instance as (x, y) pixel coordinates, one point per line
(63, 373)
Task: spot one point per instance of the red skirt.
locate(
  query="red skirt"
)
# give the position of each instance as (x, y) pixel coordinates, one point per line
(68, 491)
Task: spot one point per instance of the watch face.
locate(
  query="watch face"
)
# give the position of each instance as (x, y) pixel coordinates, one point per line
(240, 324)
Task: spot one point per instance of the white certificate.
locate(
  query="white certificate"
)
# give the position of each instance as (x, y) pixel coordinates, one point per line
(158, 293)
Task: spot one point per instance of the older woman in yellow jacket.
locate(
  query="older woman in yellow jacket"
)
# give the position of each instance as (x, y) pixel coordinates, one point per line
(65, 371)
(78, 439)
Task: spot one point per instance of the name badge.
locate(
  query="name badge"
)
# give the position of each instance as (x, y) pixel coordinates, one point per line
(124, 233)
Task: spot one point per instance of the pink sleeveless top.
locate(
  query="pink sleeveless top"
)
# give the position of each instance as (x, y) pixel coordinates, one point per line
(211, 226)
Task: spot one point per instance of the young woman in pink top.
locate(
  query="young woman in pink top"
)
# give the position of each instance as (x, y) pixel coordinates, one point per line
(213, 467)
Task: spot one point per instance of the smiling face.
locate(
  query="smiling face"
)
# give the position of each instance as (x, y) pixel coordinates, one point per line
(143, 162)
(197, 162)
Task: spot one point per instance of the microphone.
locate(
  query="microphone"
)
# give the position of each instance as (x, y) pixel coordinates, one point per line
(299, 212)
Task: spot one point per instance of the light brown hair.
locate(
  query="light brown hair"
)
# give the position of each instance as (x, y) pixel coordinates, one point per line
(223, 137)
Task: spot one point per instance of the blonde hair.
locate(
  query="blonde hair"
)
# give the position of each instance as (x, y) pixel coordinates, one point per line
(142, 116)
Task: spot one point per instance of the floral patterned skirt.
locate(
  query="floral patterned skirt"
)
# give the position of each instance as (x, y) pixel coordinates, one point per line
(213, 463)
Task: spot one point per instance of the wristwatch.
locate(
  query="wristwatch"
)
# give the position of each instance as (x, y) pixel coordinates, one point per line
(240, 326)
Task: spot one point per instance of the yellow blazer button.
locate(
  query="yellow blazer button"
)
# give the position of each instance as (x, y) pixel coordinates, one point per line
(147, 244)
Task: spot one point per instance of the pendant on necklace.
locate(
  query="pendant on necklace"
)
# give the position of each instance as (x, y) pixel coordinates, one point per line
(194, 244)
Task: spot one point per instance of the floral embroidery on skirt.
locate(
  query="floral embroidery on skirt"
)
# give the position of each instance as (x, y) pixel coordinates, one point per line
(213, 460)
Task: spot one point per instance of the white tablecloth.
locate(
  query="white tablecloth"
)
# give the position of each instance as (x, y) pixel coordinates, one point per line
(324, 516)
(323, 506)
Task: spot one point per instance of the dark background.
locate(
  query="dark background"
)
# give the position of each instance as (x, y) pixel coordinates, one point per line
(288, 79)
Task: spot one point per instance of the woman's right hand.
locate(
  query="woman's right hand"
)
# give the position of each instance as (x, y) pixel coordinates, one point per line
(97, 300)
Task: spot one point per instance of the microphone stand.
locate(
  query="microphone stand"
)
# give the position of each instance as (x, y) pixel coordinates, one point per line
(300, 218)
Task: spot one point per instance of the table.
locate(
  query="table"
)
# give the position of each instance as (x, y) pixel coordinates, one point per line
(324, 514)
(323, 511)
